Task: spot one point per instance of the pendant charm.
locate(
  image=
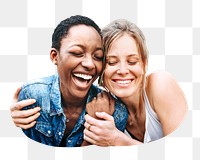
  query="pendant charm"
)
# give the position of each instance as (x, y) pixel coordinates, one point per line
(131, 123)
(67, 120)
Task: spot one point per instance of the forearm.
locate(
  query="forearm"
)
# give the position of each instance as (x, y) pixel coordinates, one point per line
(123, 140)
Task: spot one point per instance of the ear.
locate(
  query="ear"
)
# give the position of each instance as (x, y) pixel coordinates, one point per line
(54, 56)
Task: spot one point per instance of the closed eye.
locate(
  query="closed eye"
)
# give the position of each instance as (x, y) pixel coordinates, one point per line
(98, 55)
(132, 62)
(76, 54)
(111, 63)
(99, 58)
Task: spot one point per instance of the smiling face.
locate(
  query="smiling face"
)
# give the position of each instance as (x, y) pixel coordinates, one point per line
(79, 60)
(124, 71)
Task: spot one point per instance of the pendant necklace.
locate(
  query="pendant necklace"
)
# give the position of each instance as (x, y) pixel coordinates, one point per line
(130, 121)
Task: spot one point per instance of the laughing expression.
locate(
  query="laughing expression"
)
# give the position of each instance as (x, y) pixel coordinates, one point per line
(124, 71)
(79, 61)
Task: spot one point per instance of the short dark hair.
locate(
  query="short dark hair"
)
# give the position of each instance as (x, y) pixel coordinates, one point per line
(63, 27)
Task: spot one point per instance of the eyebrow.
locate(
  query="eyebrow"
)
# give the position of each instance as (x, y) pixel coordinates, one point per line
(134, 55)
(83, 47)
(131, 55)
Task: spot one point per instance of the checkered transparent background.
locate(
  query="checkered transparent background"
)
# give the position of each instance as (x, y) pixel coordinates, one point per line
(172, 30)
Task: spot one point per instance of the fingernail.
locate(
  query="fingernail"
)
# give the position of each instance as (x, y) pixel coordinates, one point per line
(33, 100)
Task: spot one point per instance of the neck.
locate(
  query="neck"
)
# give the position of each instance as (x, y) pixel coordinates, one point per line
(72, 101)
(78, 103)
(134, 105)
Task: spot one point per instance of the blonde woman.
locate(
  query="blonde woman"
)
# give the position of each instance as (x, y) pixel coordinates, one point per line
(156, 105)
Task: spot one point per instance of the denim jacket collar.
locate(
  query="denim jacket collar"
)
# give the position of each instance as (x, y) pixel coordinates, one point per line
(56, 107)
(55, 97)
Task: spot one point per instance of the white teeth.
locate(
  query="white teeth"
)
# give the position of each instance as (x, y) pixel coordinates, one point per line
(123, 81)
(84, 76)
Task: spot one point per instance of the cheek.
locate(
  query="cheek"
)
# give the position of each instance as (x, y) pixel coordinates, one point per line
(107, 77)
(139, 70)
(99, 67)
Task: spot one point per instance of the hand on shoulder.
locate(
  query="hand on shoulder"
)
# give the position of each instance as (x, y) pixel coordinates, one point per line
(103, 102)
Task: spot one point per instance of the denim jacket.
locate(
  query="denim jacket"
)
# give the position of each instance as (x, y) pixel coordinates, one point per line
(50, 125)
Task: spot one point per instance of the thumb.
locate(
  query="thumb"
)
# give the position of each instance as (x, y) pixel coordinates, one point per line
(104, 116)
(16, 94)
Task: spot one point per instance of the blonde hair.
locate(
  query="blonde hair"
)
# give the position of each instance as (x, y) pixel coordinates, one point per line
(118, 28)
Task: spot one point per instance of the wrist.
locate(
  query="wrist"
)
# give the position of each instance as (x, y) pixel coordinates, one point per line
(123, 140)
(118, 138)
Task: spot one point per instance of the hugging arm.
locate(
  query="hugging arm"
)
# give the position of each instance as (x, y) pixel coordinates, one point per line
(24, 119)
(100, 128)
(103, 102)
(104, 132)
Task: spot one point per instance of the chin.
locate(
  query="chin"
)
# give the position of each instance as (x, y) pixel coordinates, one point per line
(121, 94)
(80, 93)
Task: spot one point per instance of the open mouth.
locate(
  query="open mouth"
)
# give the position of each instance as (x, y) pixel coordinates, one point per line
(82, 80)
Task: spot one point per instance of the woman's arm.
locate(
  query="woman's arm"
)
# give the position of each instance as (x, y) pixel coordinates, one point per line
(24, 119)
(167, 100)
(100, 127)
(104, 132)
(103, 102)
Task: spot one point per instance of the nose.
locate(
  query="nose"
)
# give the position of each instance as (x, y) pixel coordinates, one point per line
(88, 62)
(122, 69)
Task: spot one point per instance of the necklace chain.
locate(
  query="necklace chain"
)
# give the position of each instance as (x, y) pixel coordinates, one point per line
(68, 119)
(130, 121)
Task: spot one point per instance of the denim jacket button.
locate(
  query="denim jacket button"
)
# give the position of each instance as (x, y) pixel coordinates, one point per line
(49, 131)
(69, 141)
(59, 133)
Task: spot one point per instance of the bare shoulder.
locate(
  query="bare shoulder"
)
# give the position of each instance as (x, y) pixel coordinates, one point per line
(167, 99)
(160, 80)
(161, 87)
(160, 76)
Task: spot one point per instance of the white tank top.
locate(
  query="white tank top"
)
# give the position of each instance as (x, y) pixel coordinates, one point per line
(153, 128)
